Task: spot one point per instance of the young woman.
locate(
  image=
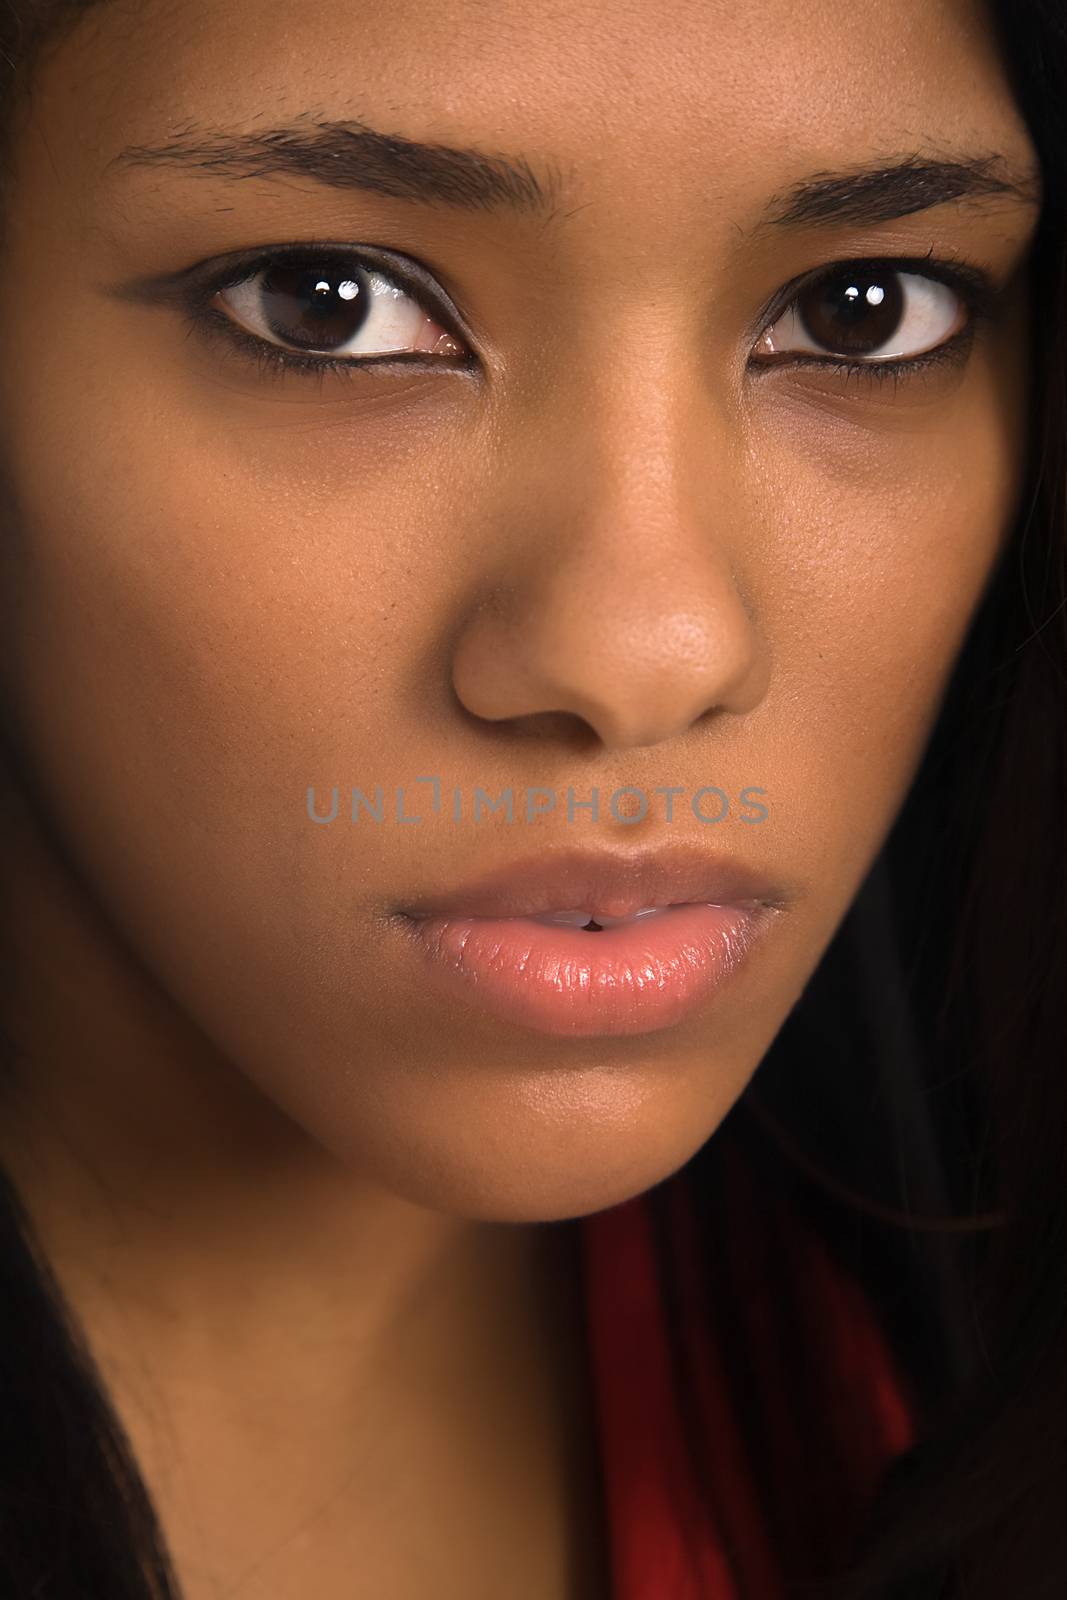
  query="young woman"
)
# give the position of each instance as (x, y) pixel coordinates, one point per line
(532, 694)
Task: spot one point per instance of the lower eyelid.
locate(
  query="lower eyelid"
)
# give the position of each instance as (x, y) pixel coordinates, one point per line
(275, 360)
(952, 351)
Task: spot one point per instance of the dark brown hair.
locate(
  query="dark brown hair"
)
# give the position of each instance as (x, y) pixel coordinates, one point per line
(913, 1106)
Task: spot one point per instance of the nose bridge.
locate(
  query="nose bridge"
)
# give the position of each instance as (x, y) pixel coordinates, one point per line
(617, 599)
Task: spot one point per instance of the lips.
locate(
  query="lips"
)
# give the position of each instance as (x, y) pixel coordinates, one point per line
(670, 928)
(613, 884)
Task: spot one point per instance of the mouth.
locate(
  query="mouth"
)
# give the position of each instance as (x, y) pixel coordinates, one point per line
(518, 945)
(595, 922)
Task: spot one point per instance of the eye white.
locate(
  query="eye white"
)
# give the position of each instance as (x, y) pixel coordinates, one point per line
(932, 313)
(394, 324)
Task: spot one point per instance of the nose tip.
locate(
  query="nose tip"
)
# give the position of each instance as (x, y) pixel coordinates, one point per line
(636, 675)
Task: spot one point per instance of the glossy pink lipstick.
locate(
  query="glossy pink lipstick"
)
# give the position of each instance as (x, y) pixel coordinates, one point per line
(585, 944)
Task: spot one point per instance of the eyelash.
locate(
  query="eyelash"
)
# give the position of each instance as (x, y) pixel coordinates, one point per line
(976, 290)
(203, 317)
(974, 287)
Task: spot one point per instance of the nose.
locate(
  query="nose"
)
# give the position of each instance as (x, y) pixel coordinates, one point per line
(614, 601)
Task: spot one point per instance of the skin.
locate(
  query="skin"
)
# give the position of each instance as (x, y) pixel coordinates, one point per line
(283, 1187)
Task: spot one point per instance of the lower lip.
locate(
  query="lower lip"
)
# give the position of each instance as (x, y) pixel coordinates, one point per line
(636, 977)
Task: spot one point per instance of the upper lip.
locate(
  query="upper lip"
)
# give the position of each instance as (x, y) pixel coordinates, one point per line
(610, 882)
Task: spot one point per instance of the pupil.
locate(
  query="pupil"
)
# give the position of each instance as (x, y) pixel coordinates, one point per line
(315, 306)
(854, 313)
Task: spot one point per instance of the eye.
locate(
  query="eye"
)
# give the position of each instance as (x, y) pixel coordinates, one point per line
(336, 308)
(870, 313)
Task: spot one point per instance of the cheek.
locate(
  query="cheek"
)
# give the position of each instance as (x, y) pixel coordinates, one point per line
(878, 546)
(164, 627)
(190, 646)
(203, 625)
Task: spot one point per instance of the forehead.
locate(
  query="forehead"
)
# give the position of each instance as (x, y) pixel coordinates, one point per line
(652, 95)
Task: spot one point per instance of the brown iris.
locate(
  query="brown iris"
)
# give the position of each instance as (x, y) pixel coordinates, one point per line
(315, 305)
(854, 313)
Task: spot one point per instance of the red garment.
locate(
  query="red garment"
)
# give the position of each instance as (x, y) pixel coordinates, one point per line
(664, 1542)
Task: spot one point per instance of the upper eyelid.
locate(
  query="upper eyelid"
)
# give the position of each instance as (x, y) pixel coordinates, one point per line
(972, 284)
(204, 281)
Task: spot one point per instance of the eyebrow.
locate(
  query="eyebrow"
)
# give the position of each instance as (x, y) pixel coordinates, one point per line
(897, 188)
(351, 155)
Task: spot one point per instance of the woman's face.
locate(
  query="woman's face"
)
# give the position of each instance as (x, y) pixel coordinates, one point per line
(624, 527)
